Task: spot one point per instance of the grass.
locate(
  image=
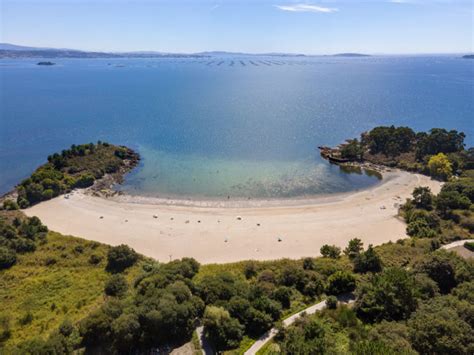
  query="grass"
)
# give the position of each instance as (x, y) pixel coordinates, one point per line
(52, 284)
(245, 344)
(469, 246)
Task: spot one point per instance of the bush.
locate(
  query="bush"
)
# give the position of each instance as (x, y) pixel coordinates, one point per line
(423, 198)
(250, 269)
(440, 167)
(120, 257)
(368, 261)
(330, 251)
(439, 268)
(331, 302)
(7, 258)
(354, 248)
(116, 286)
(469, 246)
(221, 329)
(95, 259)
(440, 331)
(341, 282)
(10, 205)
(84, 180)
(283, 295)
(390, 295)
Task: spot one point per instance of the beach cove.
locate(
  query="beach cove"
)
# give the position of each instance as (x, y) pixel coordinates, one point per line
(215, 234)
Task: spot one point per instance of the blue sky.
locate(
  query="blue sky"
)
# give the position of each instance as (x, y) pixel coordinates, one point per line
(312, 27)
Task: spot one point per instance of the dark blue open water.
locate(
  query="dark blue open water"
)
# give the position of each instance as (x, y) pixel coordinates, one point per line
(210, 128)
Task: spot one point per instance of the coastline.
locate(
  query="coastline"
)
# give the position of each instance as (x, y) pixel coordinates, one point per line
(220, 234)
(110, 193)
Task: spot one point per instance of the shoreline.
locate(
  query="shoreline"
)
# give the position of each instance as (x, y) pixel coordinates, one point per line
(237, 202)
(214, 234)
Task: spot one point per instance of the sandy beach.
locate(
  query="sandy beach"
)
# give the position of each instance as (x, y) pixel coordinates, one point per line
(214, 234)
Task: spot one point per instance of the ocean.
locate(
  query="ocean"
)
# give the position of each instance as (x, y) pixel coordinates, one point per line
(230, 127)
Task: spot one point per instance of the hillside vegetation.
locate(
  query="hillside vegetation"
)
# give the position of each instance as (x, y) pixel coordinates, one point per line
(438, 153)
(58, 281)
(77, 167)
(61, 294)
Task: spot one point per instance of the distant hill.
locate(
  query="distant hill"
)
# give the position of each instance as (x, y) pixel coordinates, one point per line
(351, 55)
(468, 56)
(8, 50)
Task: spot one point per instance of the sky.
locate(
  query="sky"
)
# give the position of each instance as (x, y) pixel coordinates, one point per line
(253, 26)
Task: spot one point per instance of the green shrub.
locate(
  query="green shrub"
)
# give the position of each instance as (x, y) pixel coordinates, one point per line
(10, 205)
(330, 251)
(331, 302)
(469, 245)
(120, 257)
(390, 295)
(116, 286)
(340, 282)
(367, 261)
(7, 258)
(221, 329)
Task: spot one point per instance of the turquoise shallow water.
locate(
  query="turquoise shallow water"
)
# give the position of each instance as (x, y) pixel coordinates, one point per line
(217, 127)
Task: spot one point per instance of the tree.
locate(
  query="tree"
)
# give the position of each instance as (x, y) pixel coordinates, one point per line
(331, 302)
(283, 295)
(125, 329)
(391, 141)
(440, 167)
(116, 286)
(309, 335)
(390, 295)
(250, 269)
(422, 224)
(120, 257)
(220, 287)
(330, 251)
(439, 268)
(341, 282)
(221, 329)
(7, 258)
(440, 331)
(354, 248)
(394, 335)
(368, 261)
(257, 322)
(423, 198)
(84, 180)
(308, 264)
(439, 140)
(352, 150)
(448, 200)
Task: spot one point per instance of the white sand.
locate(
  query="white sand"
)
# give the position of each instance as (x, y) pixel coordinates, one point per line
(221, 237)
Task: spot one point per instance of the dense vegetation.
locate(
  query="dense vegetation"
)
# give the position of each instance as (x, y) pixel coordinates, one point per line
(63, 294)
(438, 153)
(19, 235)
(411, 296)
(77, 167)
(54, 283)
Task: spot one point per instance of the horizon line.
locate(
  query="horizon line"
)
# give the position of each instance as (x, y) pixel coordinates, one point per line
(236, 52)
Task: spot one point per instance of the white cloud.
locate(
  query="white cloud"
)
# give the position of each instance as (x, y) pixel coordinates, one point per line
(306, 8)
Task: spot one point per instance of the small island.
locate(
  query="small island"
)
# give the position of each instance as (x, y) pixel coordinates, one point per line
(46, 63)
(468, 56)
